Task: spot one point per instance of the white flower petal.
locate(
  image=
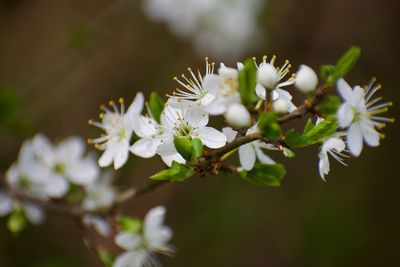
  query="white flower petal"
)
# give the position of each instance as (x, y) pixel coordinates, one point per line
(262, 157)
(129, 259)
(196, 116)
(260, 91)
(210, 137)
(229, 133)
(84, 171)
(355, 139)
(345, 115)
(247, 156)
(174, 157)
(108, 155)
(370, 135)
(128, 241)
(145, 147)
(70, 148)
(323, 165)
(56, 187)
(345, 91)
(333, 143)
(34, 214)
(6, 204)
(121, 154)
(137, 105)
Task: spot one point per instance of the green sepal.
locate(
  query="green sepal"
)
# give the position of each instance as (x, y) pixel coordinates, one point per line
(156, 106)
(176, 173)
(269, 125)
(106, 257)
(265, 174)
(130, 224)
(247, 82)
(17, 221)
(184, 146)
(197, 149)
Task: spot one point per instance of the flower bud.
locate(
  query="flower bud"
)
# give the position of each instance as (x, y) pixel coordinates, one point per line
(267, 76)
(306, 79)
(280, 106)
(238, 116)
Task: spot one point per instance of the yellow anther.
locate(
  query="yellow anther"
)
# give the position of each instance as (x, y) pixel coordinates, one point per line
(89, 141)
(175, 78)
(111, 103)
(101, 115)
(90, 122)
(381, 126)
(121, 100)
(382, 136)
(102, 107)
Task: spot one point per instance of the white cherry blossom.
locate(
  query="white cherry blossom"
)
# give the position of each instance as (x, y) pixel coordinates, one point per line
(141, 247)
(250, 152)
(118, 126)
(185, 119)
(359, 113)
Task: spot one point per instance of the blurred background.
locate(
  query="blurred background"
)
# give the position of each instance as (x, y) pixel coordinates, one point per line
(59, 60)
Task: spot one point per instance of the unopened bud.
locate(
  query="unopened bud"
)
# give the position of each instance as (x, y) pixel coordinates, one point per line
(280, 106)
(238, 116)
(267, 76)
(306, 79)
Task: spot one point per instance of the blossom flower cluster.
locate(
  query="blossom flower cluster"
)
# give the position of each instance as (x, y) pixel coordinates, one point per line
(222, 28)
(254, 99)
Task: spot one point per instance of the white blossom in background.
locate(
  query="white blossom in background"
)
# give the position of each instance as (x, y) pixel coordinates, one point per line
(185, 119)
(141, 247)
(32, 212)
(269, 79)
(46, 170)
(250, 152)
(118, 125)
(238, 116)
(224, 28)
(100, 224)
(359, 113)
(100, 194)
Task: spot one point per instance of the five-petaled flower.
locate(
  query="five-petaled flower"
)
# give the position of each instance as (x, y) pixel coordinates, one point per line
(141, 246)
(358, 114)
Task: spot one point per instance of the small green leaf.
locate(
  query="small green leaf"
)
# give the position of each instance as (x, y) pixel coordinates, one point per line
(184, 147)
(323, 129)
(265, 174)
(330, 105)
(197, 149)
(106, 257)
(176, 173)
(17, 221)
(269, 126)
(347, 62)
(130, 224)
(309, 126)
(288, 153)
(156, 106)
(295, 139)
(247, 82)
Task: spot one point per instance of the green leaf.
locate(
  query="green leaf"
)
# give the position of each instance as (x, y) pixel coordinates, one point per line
(330, 105)
(106, 257)
(156, 106)
(176, 173)
(265, 174)
(247, 82)
(197, 149)
(130, 224)
(184, 147)
(330, 74)
(269, 125)
(323, 129)
(288, 153)
(347, 62)
(295, 139)
(309, 126)
(17, 221)
(9, 104)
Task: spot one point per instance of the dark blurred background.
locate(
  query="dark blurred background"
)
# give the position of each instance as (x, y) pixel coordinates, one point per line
(63, 58)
